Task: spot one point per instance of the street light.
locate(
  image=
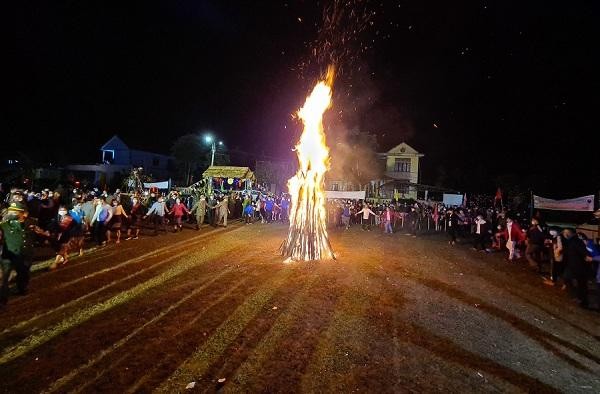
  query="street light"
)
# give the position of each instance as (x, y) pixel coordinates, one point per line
(210, 140)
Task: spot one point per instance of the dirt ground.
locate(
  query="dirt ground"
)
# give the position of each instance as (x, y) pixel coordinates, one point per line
(219, 308)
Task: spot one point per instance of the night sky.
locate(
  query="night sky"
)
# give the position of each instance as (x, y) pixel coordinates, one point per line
(482, 88)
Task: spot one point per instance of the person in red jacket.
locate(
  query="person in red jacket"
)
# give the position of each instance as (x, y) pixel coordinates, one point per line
(513, 235)
(178, 210)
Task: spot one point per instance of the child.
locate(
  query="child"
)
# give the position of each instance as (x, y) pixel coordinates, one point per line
(249, 213)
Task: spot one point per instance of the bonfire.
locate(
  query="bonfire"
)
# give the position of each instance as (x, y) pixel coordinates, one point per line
(307, 237)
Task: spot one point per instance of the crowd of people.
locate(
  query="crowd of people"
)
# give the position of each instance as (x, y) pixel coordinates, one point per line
(572, 258)
(64, 222)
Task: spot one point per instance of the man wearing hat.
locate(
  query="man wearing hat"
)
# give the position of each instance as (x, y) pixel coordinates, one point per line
(16, 237)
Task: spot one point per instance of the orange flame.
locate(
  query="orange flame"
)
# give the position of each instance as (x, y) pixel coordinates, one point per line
(307, 238)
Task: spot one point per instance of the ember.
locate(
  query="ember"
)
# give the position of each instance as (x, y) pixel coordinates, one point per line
(307, 237)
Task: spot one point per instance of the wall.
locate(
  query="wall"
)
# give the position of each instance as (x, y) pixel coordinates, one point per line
(413, 176)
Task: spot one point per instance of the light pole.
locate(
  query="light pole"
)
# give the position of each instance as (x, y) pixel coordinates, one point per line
(210, 140)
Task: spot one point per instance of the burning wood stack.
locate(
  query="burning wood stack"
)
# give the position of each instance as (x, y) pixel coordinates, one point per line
(307, 237)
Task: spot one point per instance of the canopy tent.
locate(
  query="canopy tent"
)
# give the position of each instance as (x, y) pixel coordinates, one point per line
(228, 178)
(243, 173)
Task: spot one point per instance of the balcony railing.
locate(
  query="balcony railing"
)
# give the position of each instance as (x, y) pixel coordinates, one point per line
(398, 174)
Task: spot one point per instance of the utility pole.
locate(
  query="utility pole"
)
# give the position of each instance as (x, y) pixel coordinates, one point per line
(212, 159)
(213, 147)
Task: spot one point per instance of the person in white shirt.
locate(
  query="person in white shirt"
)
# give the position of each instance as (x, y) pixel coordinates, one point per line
(513, 235)
(158, 210)
(366, 212)
(481, 233)
(102, 216)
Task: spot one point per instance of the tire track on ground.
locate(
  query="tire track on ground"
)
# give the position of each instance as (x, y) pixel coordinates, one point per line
(209, 352)
(293, 337)
(554, 299)
(37, 339)
(23, 323)
(77, 346)
(261, 325)
(447, 349)
(198, 329)
(58, 384)
(546, 339)
(348, 342)
(182, 326)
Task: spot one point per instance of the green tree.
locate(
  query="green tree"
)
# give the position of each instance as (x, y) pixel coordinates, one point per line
(190, 154)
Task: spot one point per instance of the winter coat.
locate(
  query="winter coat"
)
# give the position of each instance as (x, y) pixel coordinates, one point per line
(535, 236)
(516, 234)
(574, 254)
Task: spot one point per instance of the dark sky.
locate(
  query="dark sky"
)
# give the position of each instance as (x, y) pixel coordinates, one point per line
(482, 88)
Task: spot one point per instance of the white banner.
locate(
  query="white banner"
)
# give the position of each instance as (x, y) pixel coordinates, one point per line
(453, 200)
(158, 185)
(331, 194)
(585, 203)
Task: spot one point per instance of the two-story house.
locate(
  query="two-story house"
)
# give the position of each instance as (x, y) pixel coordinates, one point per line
(118, 159)
(399, 169)
(401, 173)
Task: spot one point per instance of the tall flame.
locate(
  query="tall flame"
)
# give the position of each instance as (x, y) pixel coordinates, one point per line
(307, 237)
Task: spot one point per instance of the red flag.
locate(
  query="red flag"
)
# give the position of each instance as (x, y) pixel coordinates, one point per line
(498, 195)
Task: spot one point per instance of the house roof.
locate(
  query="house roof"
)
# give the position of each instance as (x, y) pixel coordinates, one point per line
(403, 149)
(151, 153)
(115, 143)
(229, 172)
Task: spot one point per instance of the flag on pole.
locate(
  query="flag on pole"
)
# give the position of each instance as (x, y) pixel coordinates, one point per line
(498, 195)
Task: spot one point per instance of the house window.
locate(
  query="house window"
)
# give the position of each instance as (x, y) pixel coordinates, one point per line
(155, 162)
(108, 156)
(402, 165)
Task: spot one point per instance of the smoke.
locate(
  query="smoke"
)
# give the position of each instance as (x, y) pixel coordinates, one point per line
(354, 157)
(362, 121)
